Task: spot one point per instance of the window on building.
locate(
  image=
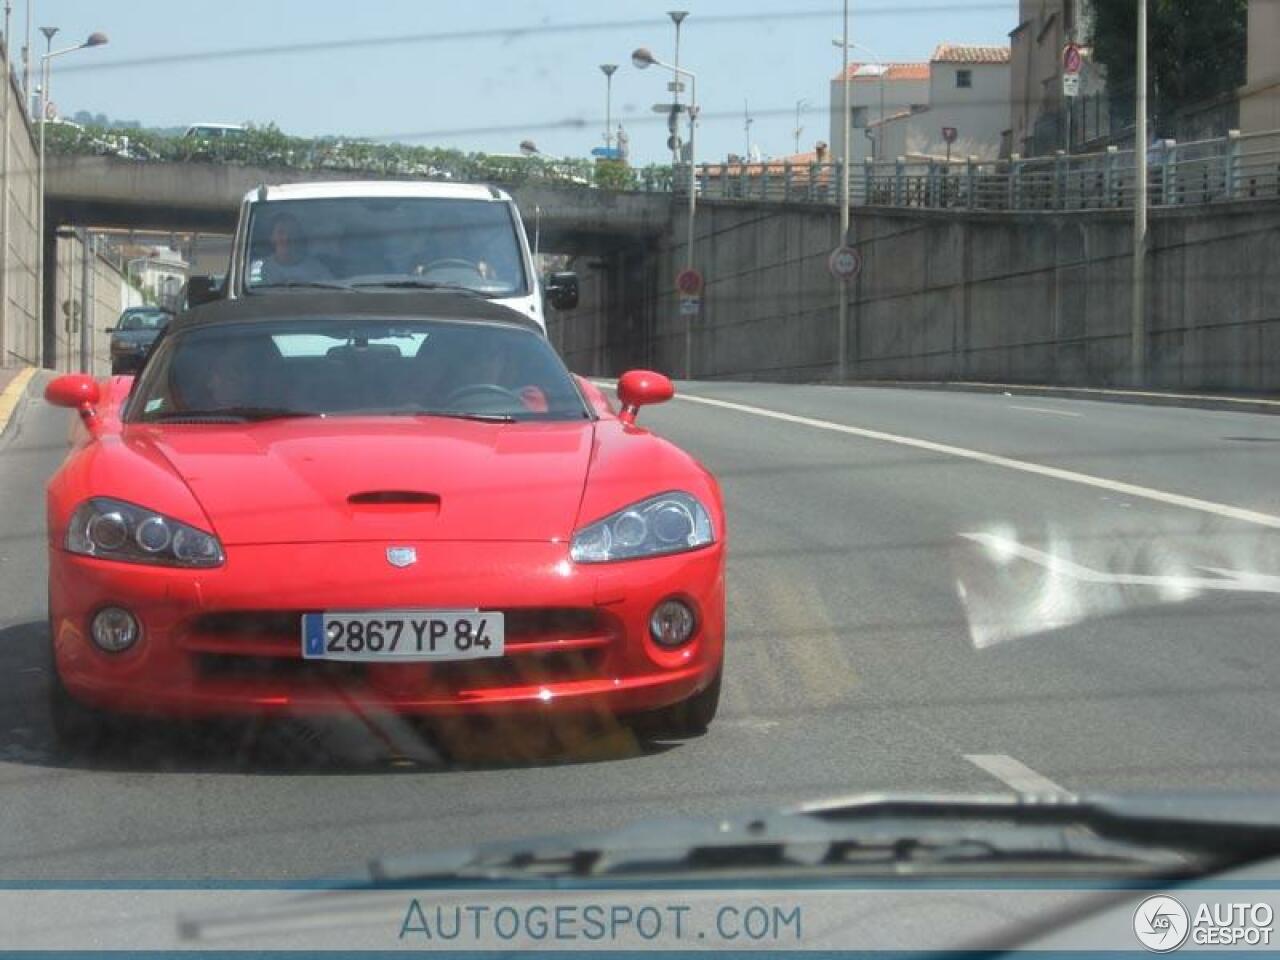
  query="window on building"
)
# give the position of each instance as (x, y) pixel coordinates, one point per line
(859, 118)
(964, 79)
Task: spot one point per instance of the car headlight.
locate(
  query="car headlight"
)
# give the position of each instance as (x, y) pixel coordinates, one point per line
(115, 530)
(667, 523)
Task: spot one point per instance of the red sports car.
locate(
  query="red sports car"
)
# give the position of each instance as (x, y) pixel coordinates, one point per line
(326, 502)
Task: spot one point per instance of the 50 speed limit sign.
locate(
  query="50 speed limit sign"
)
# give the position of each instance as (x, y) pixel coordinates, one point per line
(845, 263)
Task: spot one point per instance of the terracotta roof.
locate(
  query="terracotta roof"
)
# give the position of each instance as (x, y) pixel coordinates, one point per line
(893, 71)
(969, 53)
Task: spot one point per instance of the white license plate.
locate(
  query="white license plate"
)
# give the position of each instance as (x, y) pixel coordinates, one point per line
(402, 635)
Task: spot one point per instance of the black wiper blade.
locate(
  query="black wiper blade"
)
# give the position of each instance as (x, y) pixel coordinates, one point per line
(413, 283)
(230, 415)
(876, 835)
(462, 415)
(302, 284)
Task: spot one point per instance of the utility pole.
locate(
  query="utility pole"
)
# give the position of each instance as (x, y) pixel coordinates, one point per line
(86, 299)
(842, 331)
(26, 66)
(677, 17)
(746, 129)
(800, 105)
(608, 69)
(1138, 320)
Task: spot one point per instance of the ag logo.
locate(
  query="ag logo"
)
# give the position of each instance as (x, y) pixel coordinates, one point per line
(1161, 924)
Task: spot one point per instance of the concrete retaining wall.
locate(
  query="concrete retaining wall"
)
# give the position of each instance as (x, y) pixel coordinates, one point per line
(19, 337)
(1033, 298)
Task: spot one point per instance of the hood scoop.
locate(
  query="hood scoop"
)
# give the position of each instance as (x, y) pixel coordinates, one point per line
(396, 499)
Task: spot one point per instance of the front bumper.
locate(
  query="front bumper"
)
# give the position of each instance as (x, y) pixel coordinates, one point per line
(228, 641)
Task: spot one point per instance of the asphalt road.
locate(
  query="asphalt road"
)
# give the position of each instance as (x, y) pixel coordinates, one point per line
(966, 592)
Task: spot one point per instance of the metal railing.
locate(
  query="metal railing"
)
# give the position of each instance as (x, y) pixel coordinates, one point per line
(1235, 167)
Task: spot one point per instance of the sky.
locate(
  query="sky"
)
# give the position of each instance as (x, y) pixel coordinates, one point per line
(487, 74)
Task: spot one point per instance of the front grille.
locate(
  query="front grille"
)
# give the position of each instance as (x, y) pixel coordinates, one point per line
(528, 670)
(265, 645)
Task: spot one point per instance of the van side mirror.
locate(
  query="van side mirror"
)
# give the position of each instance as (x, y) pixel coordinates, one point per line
(562, 290)
(201, 289)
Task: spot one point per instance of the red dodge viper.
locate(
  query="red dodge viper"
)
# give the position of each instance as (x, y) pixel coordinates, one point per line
(326, 502)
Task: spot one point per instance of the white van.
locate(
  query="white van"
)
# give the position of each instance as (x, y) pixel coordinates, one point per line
(386, 235)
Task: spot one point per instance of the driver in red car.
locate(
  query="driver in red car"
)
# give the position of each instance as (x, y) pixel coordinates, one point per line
(446, 373)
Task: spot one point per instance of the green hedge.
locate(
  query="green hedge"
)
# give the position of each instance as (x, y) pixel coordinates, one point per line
(268, 147)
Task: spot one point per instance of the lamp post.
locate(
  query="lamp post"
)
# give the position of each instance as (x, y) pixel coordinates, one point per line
(642, 59)
(800, 105)
(608, 69)
(842, 329)
(1138, 332)
(881, 70)
(677, 17)
(94, 40)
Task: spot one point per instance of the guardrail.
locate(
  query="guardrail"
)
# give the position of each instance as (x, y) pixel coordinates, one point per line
(1235, 167)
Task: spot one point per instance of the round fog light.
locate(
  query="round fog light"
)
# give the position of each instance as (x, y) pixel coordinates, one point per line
(671, 624)
(114, 629)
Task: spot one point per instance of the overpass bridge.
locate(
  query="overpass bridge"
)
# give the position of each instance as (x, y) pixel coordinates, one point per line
(139, 194)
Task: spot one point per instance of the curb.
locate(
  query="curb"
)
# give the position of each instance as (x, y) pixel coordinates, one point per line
(1201, 401)
(12, 396)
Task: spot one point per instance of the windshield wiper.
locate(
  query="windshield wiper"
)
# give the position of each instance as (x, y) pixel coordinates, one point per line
(878, 835)
(302, 284)
(412, 283)
(230, 415)
(456, 415)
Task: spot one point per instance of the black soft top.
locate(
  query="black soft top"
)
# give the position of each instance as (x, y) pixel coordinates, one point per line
(422, 305)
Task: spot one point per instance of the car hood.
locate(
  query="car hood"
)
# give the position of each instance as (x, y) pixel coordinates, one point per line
(316, 480)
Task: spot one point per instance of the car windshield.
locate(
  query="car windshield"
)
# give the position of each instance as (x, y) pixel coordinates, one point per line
(148, 320)
(356, 366)
(372, 241)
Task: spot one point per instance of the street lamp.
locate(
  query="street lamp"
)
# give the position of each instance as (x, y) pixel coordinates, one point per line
(800, 105)
(881, 70)
(642, 59)
(608, 69)
(677, 17)
(95, 39)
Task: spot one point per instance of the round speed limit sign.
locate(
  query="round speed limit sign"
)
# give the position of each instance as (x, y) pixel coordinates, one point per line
(845, 263)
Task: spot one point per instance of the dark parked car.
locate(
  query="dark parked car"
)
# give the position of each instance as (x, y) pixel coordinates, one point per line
(133, 335)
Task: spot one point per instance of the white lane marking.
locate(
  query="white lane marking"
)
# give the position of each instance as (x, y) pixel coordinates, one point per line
(1038, 390)
(1056, 413)
(1102, 483)
(1236, 581)
(1015, 774)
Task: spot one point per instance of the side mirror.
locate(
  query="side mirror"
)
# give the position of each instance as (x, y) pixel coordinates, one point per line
(201, 289)
(562, 290)
(110, 329)
(79, 391)
(639, 388)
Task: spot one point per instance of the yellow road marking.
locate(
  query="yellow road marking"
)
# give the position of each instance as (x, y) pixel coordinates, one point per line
(13, 393)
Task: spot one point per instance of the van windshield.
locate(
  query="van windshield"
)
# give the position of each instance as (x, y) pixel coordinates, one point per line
(393, 241)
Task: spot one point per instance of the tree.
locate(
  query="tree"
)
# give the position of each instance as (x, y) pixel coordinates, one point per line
(1195, 50)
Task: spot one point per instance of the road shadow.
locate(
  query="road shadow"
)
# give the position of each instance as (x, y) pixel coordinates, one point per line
(359, 744)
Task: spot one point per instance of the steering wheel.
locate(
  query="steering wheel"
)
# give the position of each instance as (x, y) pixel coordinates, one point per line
(454, 262)
(484, 389)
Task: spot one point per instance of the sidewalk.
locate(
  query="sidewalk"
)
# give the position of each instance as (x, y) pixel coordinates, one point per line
(13, 384)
